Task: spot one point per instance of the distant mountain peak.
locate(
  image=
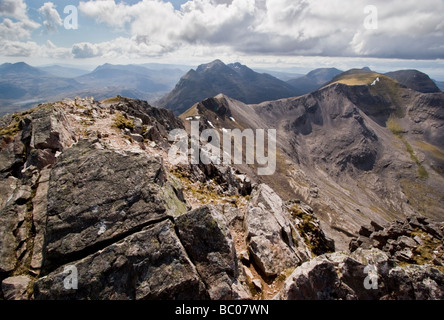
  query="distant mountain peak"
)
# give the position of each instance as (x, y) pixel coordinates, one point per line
(20, 68)
(415, 80)
(234, 80)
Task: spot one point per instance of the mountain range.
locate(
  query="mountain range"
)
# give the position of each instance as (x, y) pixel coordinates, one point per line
(313, 80)
(234, 80)
(92, 186)
(23, 86)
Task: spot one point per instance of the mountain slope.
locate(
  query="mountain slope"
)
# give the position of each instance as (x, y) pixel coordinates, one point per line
(313, 80)
(234, 80)
(94, 207)
(415, 80)
(64, 72)
(354, 151)
(22, 85)
(440, 84)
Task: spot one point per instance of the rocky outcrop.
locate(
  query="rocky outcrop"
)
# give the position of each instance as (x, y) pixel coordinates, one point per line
(416, 240)
(92, 208)
(150, 264)
(363, 275)
(208, 241)
(122, 197)
(275, 240)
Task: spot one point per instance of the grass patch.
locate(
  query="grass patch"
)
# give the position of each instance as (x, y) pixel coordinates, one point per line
(398, 131)
(114, 100)
(312, 235)
(121, 122)
(423, 254)
(395, 127)
(358, 79)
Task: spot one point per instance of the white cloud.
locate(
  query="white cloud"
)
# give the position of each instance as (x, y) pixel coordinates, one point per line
(85, 50)
(15, 25)
(13, 9)
(280, 27)
(51, 17)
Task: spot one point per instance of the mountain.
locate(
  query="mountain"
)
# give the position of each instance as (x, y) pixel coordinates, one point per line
(22, 85)
(63, 72)
(415, 80)
(440, 84)
(109, 80)
(357, 150)
(234, 80)
(281, 75)
(313, 80)
(94, 206)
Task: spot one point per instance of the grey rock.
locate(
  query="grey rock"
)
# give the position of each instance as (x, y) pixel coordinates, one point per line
(51, 129)
(136, 137)
(40, 203)
(150, 264)
(10, 218)
(274, 243)
(210, 246)
(99, 195)
(415, 282)
(7, 187)
(16, 288)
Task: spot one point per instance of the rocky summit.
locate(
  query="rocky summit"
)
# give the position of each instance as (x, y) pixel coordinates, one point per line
(92, 207)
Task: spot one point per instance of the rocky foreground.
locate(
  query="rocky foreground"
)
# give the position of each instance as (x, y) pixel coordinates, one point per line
(87, 186)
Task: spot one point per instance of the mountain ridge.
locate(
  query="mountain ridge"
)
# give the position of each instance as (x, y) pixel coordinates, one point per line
(234, 80)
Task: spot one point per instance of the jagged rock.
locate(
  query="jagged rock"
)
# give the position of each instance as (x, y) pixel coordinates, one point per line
(16, 288)
(413, 240)
(11, 217)
(7, 188)
(150, 264)
(97, 195)
(51, 129)
(415, 282)
(270, 234)
(11, 156)
(209, 243)
(365, 274)
(231, 181)
(39, 203)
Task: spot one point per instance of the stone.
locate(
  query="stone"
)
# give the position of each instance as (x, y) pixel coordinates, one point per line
(210, 246)
(136, 137)
(99, 195)
(39, 203)
(271, 235)
(7, 188)
(257, 285)
(51, 129)
(16, 288)
(10, 217)
(148, 265)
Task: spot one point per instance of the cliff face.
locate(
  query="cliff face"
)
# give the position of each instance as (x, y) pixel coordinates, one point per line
(92, 208)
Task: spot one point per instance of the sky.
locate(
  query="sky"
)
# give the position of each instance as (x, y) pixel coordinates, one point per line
(292, 35)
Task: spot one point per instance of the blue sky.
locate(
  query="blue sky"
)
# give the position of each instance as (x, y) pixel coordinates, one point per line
(274, 34)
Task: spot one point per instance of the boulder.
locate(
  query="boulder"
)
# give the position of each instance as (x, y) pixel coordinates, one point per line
(98, 195)
(51, 129)
(150, 264)
(274, 242)
(209, 244)
(363, 275)
(11, 218)
(16, 288)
